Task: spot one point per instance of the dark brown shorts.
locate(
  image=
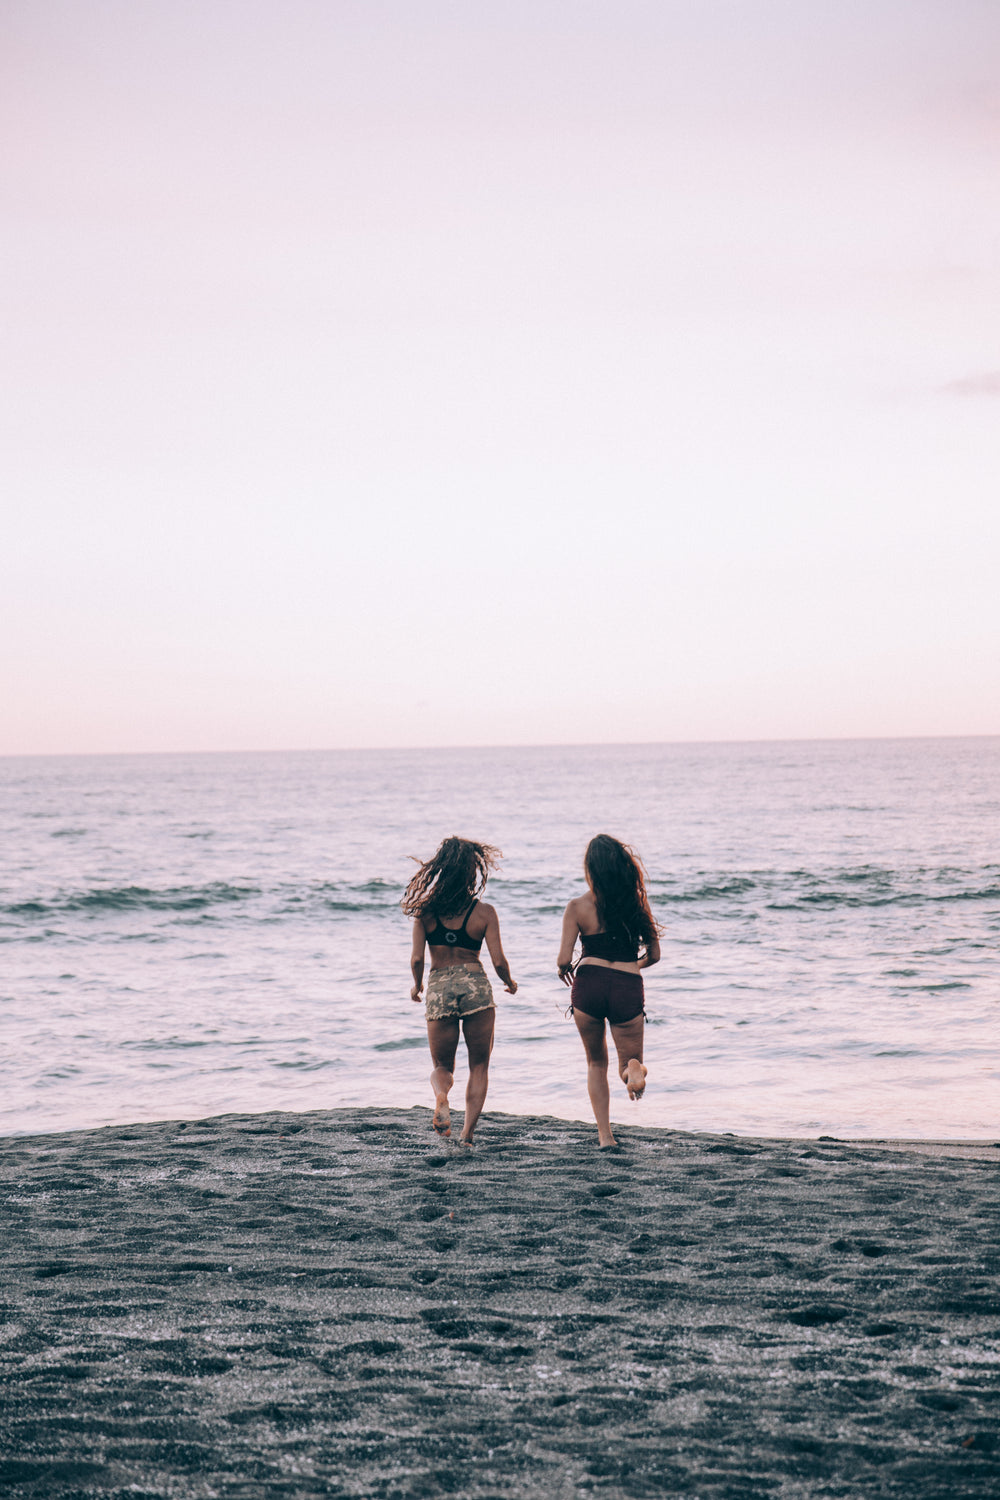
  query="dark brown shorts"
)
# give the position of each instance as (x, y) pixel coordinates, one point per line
(607, 994)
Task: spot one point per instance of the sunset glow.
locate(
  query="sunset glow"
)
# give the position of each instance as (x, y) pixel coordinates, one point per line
(412, 374)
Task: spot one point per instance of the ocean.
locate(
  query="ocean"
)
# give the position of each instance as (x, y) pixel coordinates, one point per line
(185, 935)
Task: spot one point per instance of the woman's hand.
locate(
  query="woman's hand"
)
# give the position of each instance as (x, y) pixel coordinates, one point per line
(495, 949)
(417, 960)
(570, 933)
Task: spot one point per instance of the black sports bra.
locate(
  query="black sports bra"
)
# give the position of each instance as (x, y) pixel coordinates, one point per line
(613, 949)
(454, 937)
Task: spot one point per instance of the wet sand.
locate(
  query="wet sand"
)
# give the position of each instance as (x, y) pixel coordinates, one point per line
(339, 1304)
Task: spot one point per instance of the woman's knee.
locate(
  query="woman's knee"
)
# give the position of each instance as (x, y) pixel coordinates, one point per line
(596, 1048)
(478, 1030)
(443, 1039)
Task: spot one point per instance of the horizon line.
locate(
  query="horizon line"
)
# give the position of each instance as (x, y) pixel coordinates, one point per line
(829, 739)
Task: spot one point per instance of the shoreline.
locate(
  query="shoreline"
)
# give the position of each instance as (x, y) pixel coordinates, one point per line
(338, 1303)
(983, 1148)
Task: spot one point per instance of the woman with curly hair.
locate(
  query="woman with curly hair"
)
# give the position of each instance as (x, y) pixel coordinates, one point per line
(450, 920)
(619, 938)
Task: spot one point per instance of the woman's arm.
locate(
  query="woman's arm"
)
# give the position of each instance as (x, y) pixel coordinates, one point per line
(651, 955)
(417, 959)
(495, 947)
(570, 933)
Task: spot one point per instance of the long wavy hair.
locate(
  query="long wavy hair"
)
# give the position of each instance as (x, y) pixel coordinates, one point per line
(618, 880)
(454, 877)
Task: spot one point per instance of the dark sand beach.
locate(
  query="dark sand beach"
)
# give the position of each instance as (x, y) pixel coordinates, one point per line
(339, 1304)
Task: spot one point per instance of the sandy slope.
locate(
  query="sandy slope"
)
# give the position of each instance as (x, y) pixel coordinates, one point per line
(339, 1304)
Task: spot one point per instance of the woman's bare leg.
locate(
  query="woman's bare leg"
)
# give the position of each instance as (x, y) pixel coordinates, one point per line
(628, 1044)
(478, 1029)
(596, 1047)
(443, 1039)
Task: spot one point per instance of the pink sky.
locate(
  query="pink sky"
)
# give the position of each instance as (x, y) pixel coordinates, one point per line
(438, 374)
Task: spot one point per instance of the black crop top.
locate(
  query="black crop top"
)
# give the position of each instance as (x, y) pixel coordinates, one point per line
(451, 937)
(613, 949)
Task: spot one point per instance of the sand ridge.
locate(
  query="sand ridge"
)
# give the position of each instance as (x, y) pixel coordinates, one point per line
(341, 1304)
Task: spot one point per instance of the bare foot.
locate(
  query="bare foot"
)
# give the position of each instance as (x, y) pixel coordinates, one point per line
(466, 1140)
(442, 1115)
(606, 1142)
(635, 1079)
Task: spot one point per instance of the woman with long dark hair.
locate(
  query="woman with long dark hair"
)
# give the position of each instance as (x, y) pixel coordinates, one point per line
(619, 937)
(450, 920)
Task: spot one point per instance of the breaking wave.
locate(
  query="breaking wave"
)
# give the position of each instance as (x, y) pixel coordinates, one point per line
(723, 894)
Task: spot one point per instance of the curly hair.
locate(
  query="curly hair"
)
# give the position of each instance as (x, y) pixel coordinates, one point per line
(618, 880)
(445, 884)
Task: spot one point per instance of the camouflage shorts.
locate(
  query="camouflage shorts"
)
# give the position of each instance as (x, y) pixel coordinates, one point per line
(460, 990)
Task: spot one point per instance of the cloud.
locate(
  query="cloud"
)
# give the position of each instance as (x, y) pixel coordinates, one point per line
(975, 385)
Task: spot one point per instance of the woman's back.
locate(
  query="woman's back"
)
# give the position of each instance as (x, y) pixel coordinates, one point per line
(614, 946)
(465, 931)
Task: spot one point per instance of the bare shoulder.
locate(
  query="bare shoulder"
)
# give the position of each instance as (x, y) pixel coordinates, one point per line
(484, 909)
(585, 911)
